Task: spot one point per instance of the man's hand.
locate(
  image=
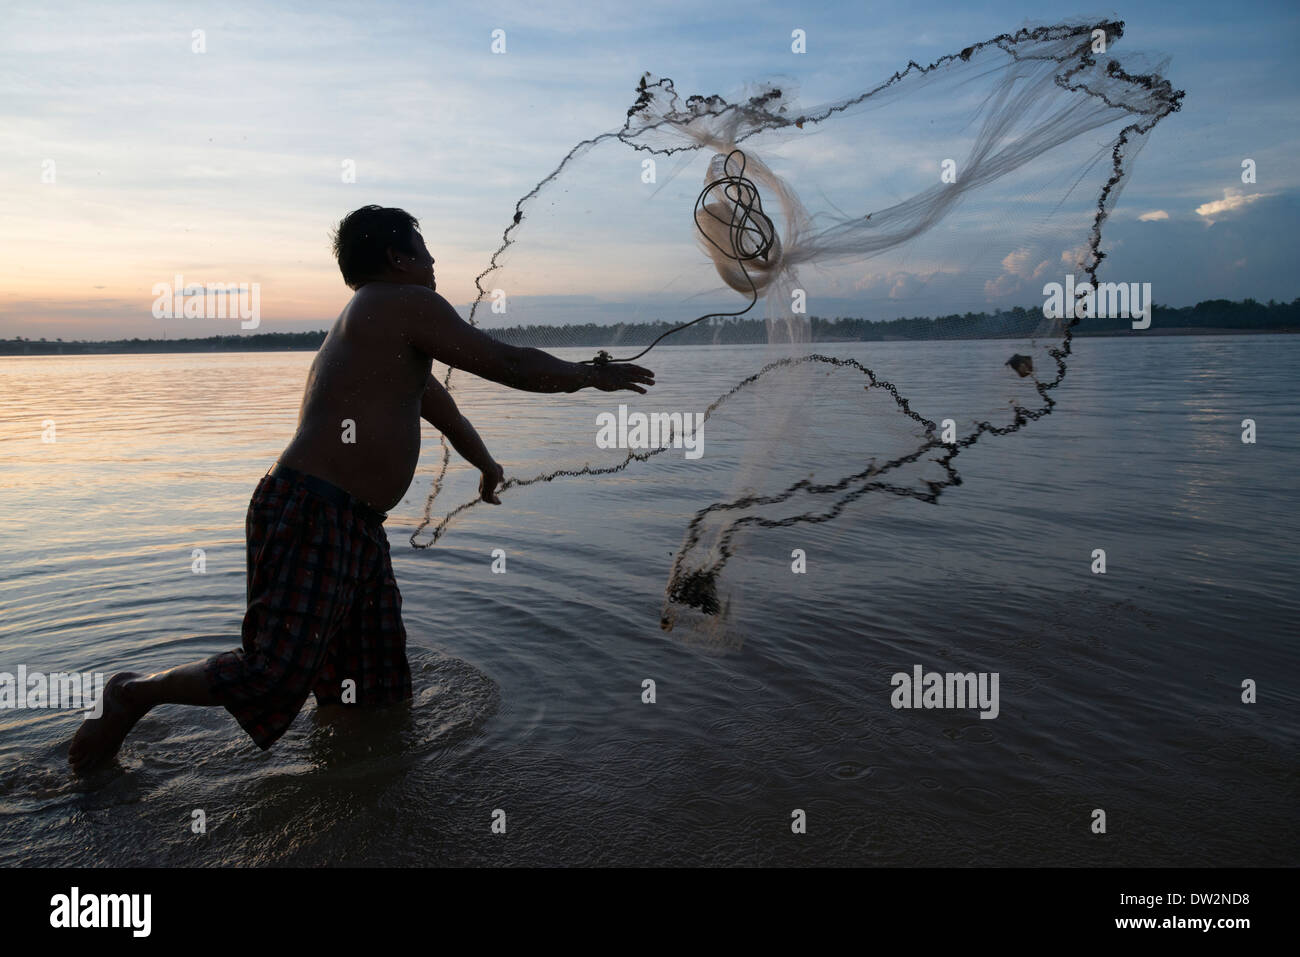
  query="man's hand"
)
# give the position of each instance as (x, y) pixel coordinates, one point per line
(613, 376)
(491, 477)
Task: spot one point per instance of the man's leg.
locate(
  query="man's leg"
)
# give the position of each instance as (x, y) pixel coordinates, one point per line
(127, 698)
(369, 651)
(301, 561)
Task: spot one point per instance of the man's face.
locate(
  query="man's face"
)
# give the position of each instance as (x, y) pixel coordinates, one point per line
(417, 268)
(424, 260)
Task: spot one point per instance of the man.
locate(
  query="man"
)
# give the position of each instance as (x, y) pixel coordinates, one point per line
(324, 612)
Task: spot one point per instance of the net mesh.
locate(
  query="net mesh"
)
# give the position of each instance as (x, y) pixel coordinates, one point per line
(935, 205)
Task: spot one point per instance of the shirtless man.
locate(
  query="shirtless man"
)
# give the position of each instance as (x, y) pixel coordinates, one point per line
(324, 612)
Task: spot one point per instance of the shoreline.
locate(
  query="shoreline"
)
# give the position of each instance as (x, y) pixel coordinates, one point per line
(10, 348)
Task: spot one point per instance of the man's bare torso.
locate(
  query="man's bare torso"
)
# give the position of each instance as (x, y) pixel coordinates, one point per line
(367, 372)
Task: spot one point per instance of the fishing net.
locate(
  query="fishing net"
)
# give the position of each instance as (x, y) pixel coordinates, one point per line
(934, 206)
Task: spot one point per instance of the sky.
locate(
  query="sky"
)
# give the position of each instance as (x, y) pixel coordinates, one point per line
(128, 157)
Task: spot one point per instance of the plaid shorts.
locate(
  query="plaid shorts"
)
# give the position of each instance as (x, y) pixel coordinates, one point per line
(323, 610)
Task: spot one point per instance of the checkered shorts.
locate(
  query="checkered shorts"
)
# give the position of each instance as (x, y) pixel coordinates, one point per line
(323, 610)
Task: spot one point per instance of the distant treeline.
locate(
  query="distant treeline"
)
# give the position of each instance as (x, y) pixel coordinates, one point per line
(262, 342)
(1214, 316)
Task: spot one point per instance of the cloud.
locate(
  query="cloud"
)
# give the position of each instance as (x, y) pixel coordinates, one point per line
(900, 285)
(1016, 272)
(1004, 285)
(1017, 264)
(1233, 199)
(906, 286)
(1153, 216)
(1077, 257)
(1249, 252)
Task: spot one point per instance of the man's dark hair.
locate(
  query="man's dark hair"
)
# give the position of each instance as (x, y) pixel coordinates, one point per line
(363, 238)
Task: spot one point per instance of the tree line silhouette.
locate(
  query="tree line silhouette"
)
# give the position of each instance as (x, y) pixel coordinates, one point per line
(1214, 316)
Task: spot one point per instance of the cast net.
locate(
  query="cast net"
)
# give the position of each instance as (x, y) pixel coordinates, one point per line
(926, 214)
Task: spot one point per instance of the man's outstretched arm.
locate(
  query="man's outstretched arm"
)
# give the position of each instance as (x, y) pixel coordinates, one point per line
(438, 408)
(434, 328)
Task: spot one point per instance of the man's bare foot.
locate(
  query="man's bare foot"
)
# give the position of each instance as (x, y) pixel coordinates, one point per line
(98, 739)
